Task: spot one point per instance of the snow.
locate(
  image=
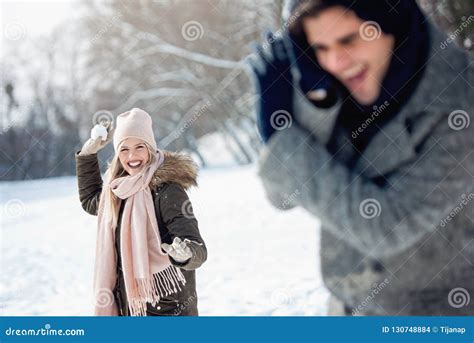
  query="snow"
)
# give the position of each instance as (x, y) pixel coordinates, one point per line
(261, 261)
(99, 131)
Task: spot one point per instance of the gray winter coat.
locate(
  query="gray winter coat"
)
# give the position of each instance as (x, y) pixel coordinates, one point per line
(403, 246)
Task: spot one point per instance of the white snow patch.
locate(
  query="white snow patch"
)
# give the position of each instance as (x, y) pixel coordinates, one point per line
(261, 261)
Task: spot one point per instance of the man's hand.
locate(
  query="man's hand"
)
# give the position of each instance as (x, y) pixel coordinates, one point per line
(178, 250)
(317, 84)
(271, 68)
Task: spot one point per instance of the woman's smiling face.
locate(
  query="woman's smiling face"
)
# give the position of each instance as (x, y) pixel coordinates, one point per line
(133, 155)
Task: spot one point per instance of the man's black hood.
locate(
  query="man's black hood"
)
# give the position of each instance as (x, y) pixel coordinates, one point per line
(391, 15)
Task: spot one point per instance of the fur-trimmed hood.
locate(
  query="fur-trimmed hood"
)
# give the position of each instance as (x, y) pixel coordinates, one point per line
(178, 168)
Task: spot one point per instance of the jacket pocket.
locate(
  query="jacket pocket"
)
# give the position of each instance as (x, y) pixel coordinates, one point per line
(165, 307)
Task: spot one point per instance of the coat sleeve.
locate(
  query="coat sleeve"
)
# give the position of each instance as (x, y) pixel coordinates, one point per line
(89, 182)
(298, 171)
(177, 214)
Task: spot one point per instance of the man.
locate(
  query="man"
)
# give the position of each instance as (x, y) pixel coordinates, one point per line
(365, 110)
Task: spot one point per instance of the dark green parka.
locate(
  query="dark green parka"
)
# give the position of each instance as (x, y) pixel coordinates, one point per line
(168, 186)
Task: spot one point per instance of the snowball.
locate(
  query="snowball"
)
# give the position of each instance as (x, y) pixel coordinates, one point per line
(99, 131)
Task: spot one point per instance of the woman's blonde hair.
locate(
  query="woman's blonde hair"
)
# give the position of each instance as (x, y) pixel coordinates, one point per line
(114, 171)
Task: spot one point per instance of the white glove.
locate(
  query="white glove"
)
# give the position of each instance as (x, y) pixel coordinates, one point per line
(179, 250)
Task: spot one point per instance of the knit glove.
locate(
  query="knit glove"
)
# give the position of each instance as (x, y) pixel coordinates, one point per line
(273, 81)
(98, 140)
(318, 85)
(178, 250)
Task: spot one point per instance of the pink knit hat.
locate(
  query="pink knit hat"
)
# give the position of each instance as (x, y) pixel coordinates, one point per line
(134, 123)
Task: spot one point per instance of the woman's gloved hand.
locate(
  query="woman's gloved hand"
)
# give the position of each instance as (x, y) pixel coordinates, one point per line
(178, 250)
(99, 139)
(271, 71)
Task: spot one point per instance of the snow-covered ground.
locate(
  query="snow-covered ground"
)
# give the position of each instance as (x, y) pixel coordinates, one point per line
(261, 261)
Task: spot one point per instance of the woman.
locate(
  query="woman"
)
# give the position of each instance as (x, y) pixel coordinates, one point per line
(148, 241)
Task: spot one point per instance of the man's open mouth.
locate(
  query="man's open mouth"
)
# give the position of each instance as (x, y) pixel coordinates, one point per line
(354, 77)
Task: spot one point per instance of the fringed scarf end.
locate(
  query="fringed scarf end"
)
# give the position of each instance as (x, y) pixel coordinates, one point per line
(163, 283)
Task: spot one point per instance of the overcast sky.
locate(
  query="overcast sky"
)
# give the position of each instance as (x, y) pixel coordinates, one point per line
(31, 18)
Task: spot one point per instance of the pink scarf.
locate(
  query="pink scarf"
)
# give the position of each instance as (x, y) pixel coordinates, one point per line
(147, 271)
